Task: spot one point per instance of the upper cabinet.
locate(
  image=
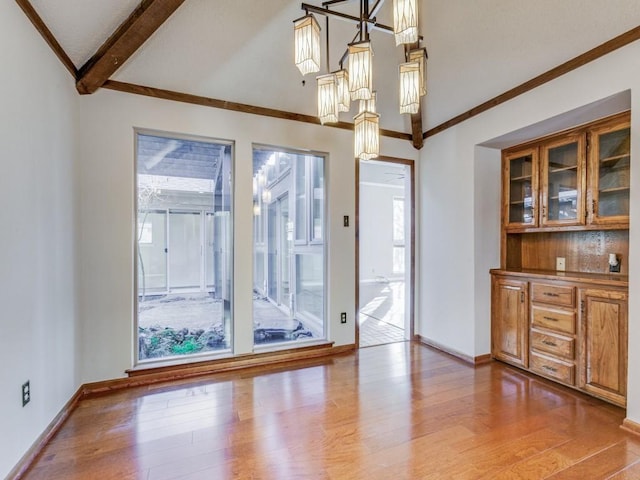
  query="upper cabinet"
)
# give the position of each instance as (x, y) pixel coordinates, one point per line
(578, 179)
(563, 177)
(520, 181)
(609, 173)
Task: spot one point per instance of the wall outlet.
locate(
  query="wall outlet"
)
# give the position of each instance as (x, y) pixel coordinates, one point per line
(26, 393)
(560, 264)
(343, 317)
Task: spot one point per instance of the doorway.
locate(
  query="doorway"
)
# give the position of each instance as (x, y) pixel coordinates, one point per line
(385, 246)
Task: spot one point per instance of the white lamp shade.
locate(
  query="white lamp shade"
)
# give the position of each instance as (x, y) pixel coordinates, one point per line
(307, 44)
(420, 56)
(367, 135)
(405, 21)
(360, 71)
(368, 105)
(344, 97)
(409, 87)
(327, 98)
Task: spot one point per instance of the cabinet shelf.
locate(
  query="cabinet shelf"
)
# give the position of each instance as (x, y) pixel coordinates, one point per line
(614, 190)
(563, 169)
(520, 178)
(613, 159)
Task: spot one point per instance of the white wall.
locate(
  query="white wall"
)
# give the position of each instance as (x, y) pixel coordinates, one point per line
(376, 232)
(456, 247)
(107, 151)
(38, 340)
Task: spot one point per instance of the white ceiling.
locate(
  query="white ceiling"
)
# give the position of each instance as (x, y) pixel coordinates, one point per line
(241, 50)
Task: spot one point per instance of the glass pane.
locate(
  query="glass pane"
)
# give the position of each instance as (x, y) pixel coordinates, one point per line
(398, 221)
(318, 198)
(209, 250)
(301, 200)
(152, 252)
(520, 185)
(562, 193)
(398, 260)
(288, 282)
(184, 241)
(614, 173)
(185, 247)
(310, 285)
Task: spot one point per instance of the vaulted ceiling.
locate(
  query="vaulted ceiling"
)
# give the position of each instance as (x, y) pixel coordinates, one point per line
(241, 50)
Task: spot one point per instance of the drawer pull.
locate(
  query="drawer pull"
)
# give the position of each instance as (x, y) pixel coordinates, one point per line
(551, 319)
(550, 369)
(549, 294)
(551, 344)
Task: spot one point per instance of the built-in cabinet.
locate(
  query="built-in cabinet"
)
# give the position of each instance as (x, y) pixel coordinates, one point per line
(509, 335)
(578, 178)
(557, 310)
(571, 330)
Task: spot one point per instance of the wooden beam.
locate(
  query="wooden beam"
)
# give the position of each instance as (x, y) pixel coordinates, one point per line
(32, 15)
(416, 129)
(233, 106)
(124, 42)
(577, 62)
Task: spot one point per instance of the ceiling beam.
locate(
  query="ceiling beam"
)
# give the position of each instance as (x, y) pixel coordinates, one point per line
(235, 107)
(595, 53)
(32, 15)
(124, 42)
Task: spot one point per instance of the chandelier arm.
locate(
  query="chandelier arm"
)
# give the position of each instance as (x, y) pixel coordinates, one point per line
(348, 18)
(376, 8)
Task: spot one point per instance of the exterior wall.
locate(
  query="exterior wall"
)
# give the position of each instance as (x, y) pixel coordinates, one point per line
(106, 147)
(37, 241)
(459, 240)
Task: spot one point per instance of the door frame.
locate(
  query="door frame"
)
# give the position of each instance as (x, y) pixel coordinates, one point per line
(412, 243)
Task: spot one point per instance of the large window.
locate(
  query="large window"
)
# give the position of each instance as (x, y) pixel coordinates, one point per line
(288, 246)
(183, 246)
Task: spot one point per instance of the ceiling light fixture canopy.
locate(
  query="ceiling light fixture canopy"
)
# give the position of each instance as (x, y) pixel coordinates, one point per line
(336, 90)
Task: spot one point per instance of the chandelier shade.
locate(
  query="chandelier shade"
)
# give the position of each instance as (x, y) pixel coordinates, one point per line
(360, 70)
(344, 97)
(420, 56)
(307, 44)
(368, 105)
(367, 135)
(409, 87)
(327, 98)
(405, 21)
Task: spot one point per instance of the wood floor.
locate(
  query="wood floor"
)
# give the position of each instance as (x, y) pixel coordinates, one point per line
(400, 411)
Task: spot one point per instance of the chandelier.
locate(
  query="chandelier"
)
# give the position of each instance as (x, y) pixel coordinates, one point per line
(337, 89)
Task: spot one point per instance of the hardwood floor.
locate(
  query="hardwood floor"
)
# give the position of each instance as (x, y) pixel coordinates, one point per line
(399, 411)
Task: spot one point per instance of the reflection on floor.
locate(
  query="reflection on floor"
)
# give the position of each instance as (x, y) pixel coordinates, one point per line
(381, 317)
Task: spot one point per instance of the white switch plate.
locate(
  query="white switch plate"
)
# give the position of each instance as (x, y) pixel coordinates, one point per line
(560, 264)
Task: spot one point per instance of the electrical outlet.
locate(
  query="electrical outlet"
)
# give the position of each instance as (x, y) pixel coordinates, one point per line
(343, 317)
(345, 220)
(26, 393)
(560, 264)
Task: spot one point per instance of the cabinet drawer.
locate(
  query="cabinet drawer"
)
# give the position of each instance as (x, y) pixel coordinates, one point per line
(549, 367)
(553, 344)
(553, 294)
(559, 320)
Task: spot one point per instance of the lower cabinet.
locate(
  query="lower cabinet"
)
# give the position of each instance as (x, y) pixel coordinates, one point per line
(509, 320)
(604, 336)
(570, 331)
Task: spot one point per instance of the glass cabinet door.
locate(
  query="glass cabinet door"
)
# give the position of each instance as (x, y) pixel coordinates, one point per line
(521, 188)
(562, 181)
(610, 158)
